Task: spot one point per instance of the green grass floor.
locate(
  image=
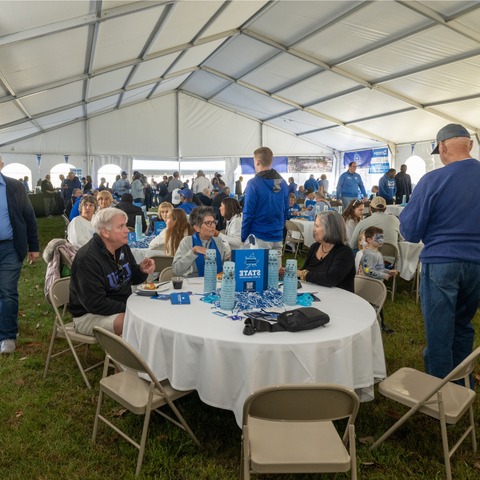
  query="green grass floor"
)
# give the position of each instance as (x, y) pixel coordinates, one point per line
(46, 424)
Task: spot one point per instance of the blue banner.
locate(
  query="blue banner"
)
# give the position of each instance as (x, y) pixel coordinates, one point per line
(280, 164)
(379, 168)
(251, 270)
(380, 152)
(39, 157)
(159, 226)
(131, 237)
(362, 158)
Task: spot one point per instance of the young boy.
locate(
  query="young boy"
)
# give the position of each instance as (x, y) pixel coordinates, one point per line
(293, 207)
(372, 262)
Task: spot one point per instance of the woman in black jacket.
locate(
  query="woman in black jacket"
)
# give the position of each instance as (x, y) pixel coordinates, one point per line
(126, 204)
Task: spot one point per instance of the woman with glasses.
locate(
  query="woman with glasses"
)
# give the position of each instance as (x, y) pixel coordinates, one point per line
(352, 215)
(80, 229)
(189, 259)
(177, 229)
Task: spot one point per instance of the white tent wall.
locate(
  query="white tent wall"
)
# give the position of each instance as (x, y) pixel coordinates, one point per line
(98, 161)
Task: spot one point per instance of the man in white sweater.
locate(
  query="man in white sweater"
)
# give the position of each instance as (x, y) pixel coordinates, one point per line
(201, 183)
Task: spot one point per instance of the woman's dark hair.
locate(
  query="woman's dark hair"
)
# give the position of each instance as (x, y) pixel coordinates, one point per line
(127, 197)
(370, 232)
(89, 179)
(214, 181)
(174, 235)
(138, 176)
(198, 214)
(232, 208)
(349, 212)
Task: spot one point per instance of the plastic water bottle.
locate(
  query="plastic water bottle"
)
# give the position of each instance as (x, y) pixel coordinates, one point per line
(290, 283)
(404, 201)
(273, 268)
(138, 227)
(144, 210)
(340, 209)
(210, 272)
(227, 298)
(317, 209)
(235, 196)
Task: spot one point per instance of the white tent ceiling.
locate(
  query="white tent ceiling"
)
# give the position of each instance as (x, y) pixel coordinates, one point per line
(219, 78)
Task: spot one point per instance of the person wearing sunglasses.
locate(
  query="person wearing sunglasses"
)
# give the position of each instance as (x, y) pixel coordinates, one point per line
(189, 260)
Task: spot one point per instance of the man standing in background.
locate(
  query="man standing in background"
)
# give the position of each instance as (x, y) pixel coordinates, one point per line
(387, 188)
(201, 183)
(72, 183)
(238, 187)
(311, 183)
(48, 196)
(404, 185)
(18, 234)
(348, 185)
(175, 183)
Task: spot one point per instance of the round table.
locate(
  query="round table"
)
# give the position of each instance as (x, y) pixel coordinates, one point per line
(306, 226)
(197, 350)
(394, 210)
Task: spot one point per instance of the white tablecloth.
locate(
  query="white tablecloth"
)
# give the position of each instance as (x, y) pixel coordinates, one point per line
(408, 261)
(394, 210)
(306, 226)
(197, 350)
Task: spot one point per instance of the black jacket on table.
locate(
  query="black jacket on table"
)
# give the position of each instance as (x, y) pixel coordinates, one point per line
(337, 269)
(204, 199)
(132, 211)
(101, 283)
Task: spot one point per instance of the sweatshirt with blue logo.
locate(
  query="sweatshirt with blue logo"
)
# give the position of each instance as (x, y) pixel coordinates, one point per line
(349, 184)
(387, 187)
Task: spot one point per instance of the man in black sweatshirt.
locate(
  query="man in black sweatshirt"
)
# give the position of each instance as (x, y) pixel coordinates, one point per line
(103, 273)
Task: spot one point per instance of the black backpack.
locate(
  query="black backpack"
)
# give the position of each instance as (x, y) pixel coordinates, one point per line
(305, 318)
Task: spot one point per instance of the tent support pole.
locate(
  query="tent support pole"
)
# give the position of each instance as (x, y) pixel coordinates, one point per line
(87, 147)
(179, 153)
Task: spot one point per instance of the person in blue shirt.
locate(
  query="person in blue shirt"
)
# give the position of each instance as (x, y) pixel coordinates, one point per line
(186, 197)
(311, 183)
(294, 209)
(25, 184)
(300, 192)
(121, 186)
(292, 187)
(72, 183)
(323, 181)
(310, 198)
(387, 186)
(450, 231)
(348, 185)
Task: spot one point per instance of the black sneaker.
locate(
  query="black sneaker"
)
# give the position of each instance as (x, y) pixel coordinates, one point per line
(387, 330)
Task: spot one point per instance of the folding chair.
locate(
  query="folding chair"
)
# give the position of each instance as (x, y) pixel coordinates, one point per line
(293, 227)
(59, 295)
(67, 222)
(391, 250)
(290, 429)
(162, 262)
(64, 258)
(373, 291)
(134, 393)
(131, 229)
(437, 398)
(166, 274)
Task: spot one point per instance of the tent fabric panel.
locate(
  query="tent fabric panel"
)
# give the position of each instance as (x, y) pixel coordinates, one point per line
(185, 21)
(446, 7)
(9, 112)
(108, 82)
(240, 56)
(471, 21)
(318, 87)
(372, 24)
(46, 59)
(205, 84)
(416, 125)
(343, 139)
(441, 83)
(98, 161)
(430, 46)
(361, 104)
(284, 144)
(171, 83)
(61, 117)
(54, 98)
(66, 140)
(219, 133)
(250, 102)
(468, 111)
(103, 104)
(146, 129)
(278, 72)
(153, 68)
(12, 133)
(19, 16)
(194, 56)
(123, 38)
(288, 22)
(299, 122)
(137, 94)
(237, 13)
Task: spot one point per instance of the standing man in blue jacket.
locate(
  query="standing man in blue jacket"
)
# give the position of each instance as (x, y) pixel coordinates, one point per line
(18, 234)
(348, 185)
(387, 187)
(266, 203)
(450, 283)
(311, 183)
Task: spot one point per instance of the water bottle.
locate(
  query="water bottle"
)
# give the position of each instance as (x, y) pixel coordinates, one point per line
(144, 210)
(290, 283)
(210, 272)
(138, 227)
(227, 298)
(273, 268)
(340, 209)
(404, 201)
(235, 196)
(317, 209)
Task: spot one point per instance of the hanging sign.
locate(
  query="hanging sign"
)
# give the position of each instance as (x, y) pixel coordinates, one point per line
(361, 158)
(251, 270)
(310, 164)
(39, 157)
(66, 158)
(379, 163)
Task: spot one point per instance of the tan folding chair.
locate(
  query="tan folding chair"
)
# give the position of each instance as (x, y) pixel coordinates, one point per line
(134, 393)
(437, 398)
(390, 250)
(59, 295)
(290, 429)
(67, 222)
(166, 274)
(293, 227)
(162, 262)
(131, 229)
(64, 258)
(373, 291)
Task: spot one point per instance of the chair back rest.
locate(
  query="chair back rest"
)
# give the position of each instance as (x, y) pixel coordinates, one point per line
(60, 292)
(465, 368)
(167, 274)
(389, 250)
(131, 229)
(65, 259)
(66, 219)
(372, 290)
(292, 226)
(162, 262)
(302, 402)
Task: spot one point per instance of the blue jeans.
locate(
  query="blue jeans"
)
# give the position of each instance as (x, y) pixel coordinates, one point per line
(450, 294)
(10, 267)
(347, 200)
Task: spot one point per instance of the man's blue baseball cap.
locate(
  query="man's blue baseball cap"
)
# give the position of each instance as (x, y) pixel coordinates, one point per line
(186, 192)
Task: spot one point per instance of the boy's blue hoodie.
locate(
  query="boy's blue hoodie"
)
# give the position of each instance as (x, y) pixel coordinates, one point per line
(266, 207)
(387, 187)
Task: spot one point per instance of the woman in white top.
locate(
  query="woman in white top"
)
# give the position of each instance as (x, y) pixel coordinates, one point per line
(138, 189)
(231, 211)
(170, 237)
(352, 216)
(80, 229)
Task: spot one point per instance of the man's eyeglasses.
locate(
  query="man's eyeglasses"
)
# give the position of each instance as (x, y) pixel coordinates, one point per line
(210, 223)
